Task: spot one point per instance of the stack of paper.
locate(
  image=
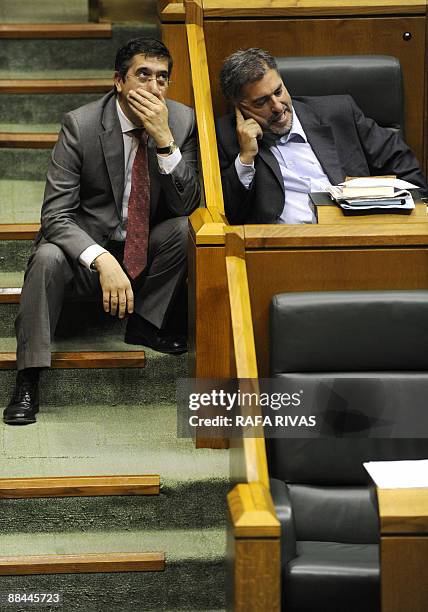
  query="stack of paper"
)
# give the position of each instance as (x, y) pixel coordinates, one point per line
(373, 195)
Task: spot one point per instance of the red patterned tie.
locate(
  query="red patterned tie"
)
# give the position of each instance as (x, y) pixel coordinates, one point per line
(137, 233)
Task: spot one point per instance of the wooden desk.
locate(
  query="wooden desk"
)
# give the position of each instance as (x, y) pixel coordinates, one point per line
(332, 214)
(404, 549)
(367, 256)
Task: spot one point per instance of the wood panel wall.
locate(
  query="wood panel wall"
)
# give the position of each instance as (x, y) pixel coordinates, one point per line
(320, 35)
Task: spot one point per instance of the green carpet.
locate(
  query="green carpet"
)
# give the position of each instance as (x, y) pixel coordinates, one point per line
(9, 279)
(199, 503)
(34, 56)
(33, 109)
(180, 545)
(43, 11)
(134, 438)
(21, 201)
(34, 128)
(13, 260)
(86, 72)
(193, 585)
(24, 164)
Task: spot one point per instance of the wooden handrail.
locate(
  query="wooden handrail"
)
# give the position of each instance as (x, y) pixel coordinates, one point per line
(204, 109)
(254, 529)
(254, 449)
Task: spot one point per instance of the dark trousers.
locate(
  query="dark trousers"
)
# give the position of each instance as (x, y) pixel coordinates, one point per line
(51, 277)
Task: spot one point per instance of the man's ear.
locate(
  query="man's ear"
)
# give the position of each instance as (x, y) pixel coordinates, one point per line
(118, 82)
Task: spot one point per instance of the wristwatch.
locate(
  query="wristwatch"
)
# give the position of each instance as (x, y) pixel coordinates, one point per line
(170, 148)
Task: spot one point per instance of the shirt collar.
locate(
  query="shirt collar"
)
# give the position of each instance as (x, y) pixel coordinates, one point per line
(296, 133)
(125, 124)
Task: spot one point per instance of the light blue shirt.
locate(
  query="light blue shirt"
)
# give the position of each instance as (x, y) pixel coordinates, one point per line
(301, 172)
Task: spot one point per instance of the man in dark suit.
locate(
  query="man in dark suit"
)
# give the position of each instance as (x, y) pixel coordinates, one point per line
(120, 184)
(274, 150)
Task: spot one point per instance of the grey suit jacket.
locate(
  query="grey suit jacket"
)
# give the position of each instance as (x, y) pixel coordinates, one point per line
(85, 180)
(345, 142)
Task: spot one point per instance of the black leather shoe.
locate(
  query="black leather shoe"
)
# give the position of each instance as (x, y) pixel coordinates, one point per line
(140, 331)
(24, 405)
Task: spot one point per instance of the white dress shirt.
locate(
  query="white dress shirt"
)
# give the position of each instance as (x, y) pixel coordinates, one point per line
(301, 171)
(130, 146)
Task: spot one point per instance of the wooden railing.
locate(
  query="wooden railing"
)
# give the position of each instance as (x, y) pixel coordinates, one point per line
(203, 108)
(254, 530)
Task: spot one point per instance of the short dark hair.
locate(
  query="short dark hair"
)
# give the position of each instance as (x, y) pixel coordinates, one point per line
(151, 47)
(242, 67)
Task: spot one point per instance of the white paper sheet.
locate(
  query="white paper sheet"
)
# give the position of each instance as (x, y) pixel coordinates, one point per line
(399, 474)
(368, 181)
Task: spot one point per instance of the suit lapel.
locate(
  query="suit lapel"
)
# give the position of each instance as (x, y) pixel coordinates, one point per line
(112, 144)
(268, 157)
(322, 141)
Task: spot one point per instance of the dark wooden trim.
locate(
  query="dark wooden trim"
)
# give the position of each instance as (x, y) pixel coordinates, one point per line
(15, 231)
(27, 140)
(80, 564)
(85, 359)
(14, 86)
(77, 486)
(55, 30)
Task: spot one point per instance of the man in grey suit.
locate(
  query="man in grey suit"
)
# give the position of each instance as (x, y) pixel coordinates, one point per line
(121, 182)
(274, 150)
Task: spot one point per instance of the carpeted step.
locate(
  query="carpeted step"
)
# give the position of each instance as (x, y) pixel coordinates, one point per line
(113, 439)
(41, 109)
(13, 259)
(11, 281)
(136, 437)
(64, 387)
(20, 202)
(194, 577)
(199, 503)
(35, 56)
(28, 11)
(85, 327)
(24, 164)
(29, 128)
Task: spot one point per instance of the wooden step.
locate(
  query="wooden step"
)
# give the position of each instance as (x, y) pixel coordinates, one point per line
(85, 359)
(10, 295)
(78, 486)
(80, 564)
(60, 86)
(56, 30)
(27, 140)
(18, 231)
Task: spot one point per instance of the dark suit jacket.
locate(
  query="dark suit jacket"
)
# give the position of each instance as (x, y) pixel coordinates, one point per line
(85, 180)
(345, 142)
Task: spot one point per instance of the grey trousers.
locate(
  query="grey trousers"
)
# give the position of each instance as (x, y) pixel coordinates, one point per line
(51, 277)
